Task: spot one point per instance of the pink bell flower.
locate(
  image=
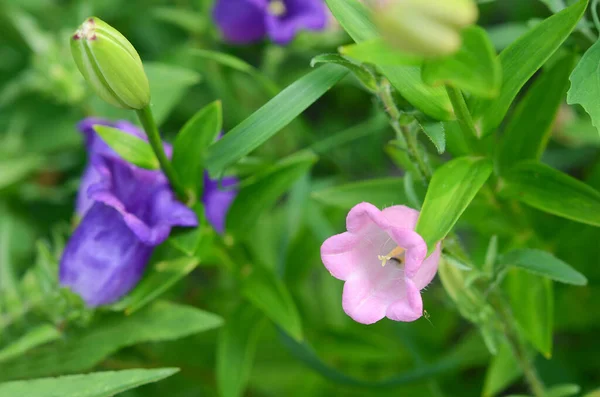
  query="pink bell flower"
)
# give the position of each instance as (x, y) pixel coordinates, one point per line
(383, 262)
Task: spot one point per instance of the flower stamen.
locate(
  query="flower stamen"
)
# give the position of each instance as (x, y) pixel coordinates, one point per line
(396, 254)
(277, 8)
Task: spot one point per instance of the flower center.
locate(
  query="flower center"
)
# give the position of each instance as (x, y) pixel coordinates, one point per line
(277, 8)
(397, 255)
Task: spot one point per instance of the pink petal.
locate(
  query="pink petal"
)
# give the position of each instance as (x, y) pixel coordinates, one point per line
(401, 216)
(339, 256)
(428, 269)
(359, 302)
(416, 249)
(409, 308)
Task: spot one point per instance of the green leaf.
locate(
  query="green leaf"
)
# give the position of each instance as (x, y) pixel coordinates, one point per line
(504, 370)
(566, 390)
(532, 303)
(97, 384)
(13, 170)
(236, 349)
(378, 52)
(272, 117)
(362, 74)
(382, 193)
(168, 85)
(158, 279)
(355, 18)
(36, 336)
(452, 188)
(544, 264)
(552, 191)
(264, 190)
(585, 84)
(474, 68)
(131, 148)
(527, 133)
(271, 296)
(192, 142)
(84, 348)
(523, 58)
(436, 133)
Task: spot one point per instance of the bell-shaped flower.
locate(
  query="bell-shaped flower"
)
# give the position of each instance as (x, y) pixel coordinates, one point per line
(383, 262)
(247, 21)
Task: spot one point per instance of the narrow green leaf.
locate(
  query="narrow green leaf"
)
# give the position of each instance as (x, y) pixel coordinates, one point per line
(544, 264)
(158, 279)
(355, 18)
(527, 133)
(272, 117)
(382, 193)
(452, 188)
(271, 296)
(97, 384)
(523, 58)
(552, 191)
(131, 148)
(504, 370)
(532, 303)
(192, 142)
(236, 348)
(84, 348)
(436, 133)
(378, 52)
(36, 336)
(264, 190)
(566, 390)
(585, 84)
(474, 68)
(362, 74)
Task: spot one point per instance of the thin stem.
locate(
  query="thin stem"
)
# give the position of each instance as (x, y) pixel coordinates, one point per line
(462, 112)
(147, 120)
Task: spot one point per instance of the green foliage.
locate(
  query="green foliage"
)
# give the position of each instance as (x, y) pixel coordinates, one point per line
(523, 58)
(452, 188)
(378, 52)
(365, 77)
(502, 372)
(544, 264)
(99, 384)
(382, 193)
(129, 147)
(584, 83)
(474, 68)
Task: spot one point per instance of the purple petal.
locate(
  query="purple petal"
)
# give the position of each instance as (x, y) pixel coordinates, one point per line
(299, 15)
(104, 259)
(241, 21)
(217, 200)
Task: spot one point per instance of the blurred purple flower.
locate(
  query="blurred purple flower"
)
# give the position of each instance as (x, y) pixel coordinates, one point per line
(126, 211)
(246, 21)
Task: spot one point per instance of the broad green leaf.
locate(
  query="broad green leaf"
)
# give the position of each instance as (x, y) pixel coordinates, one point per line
(263, 191)
(504, 370)
(13, 170)
(236, 349)
(378, 52)
(131, 148)
(452, 188)
(355, 18)
(532, 303)
(168, 85)
(158, 279)
(474, 68)
(97, 384)
(382, 193)
(523, 58)
(527, 133)
(271, 296)
(36, 336)
(365, 77)
(585, 84)
(192, 142)
(272, 117)
(552, 191)
(82, 349)
(544, 264)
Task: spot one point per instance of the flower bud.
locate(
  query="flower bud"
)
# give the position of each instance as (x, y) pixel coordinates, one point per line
(425, 27)
(110, 65)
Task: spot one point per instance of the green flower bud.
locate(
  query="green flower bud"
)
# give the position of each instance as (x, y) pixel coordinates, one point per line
(110, 65)
(425, 27)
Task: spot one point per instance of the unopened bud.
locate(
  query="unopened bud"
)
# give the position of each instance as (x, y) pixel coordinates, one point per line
(110, 65)
(425, 27)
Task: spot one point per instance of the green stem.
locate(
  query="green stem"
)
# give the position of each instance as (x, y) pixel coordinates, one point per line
(147, 120)
(462, 113)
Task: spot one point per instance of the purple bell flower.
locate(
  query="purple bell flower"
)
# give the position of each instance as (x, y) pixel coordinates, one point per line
(246, 21)
(126, 211)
